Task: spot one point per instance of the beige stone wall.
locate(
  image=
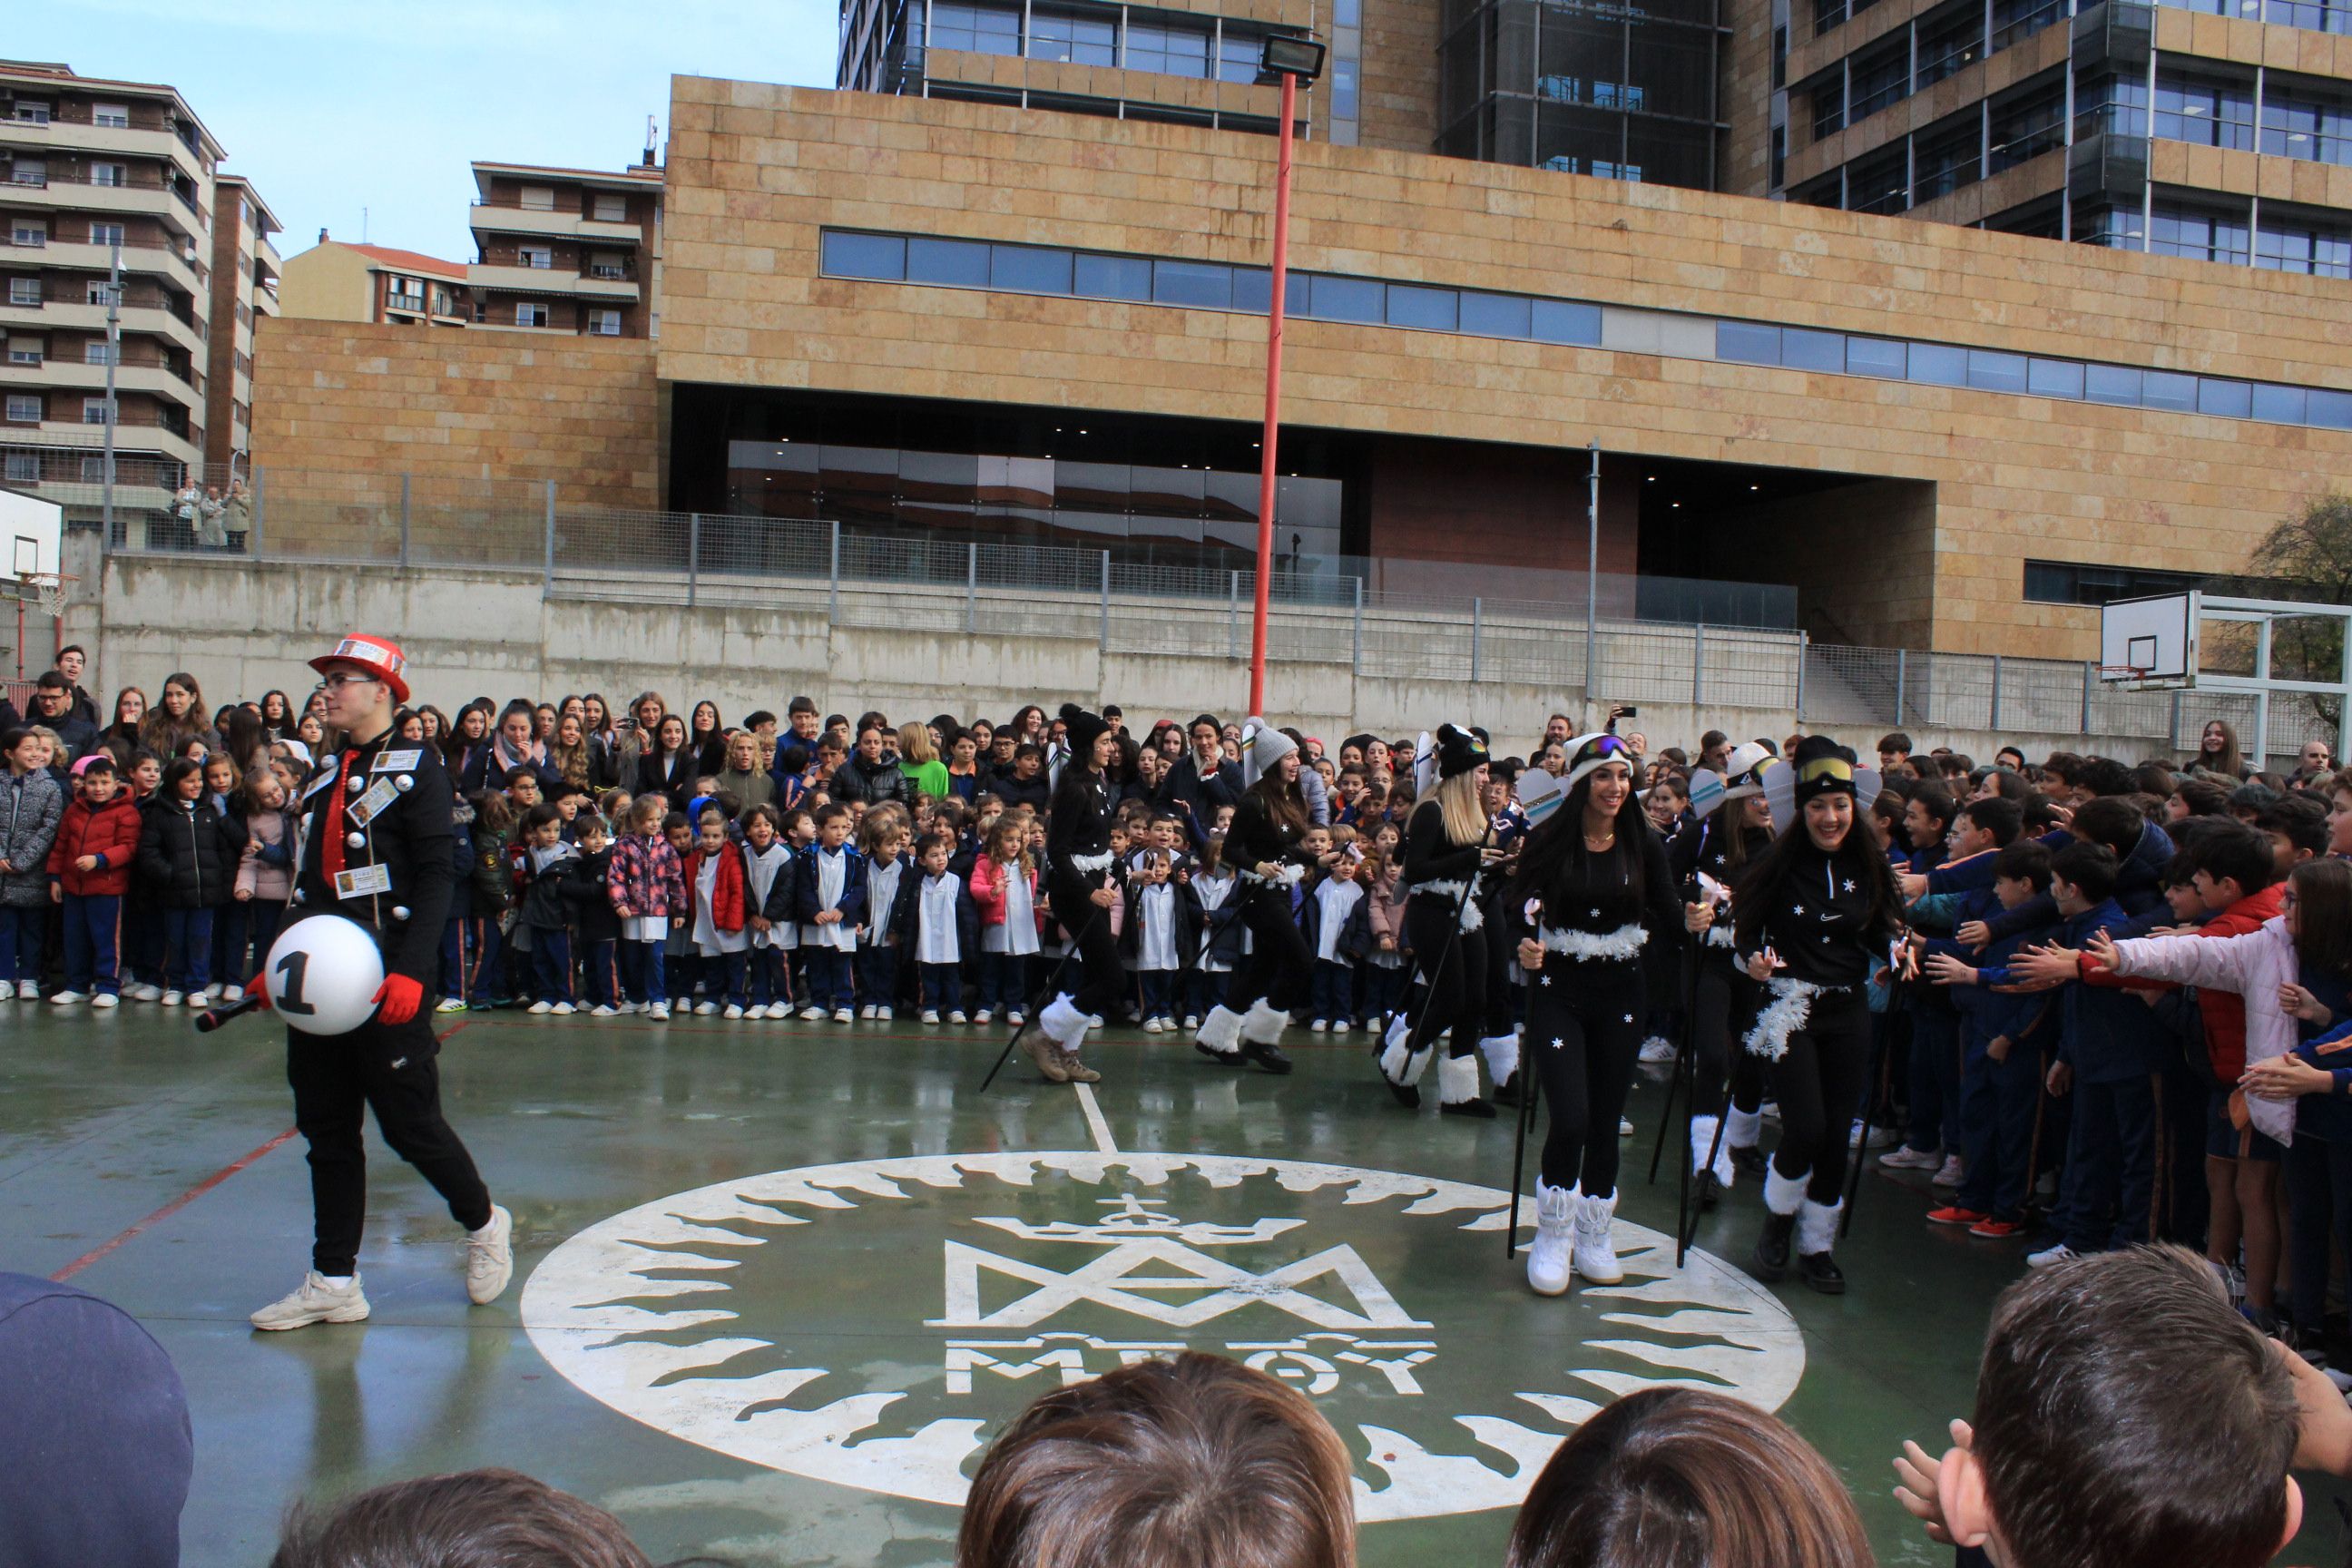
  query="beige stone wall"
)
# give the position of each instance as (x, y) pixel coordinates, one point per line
(449, 407)
(755, 170)
(1396, 90)
(326, 283)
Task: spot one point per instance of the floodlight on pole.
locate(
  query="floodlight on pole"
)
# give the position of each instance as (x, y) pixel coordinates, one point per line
(1289, 58)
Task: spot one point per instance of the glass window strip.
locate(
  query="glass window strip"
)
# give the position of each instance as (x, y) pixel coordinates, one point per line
(1485, 314)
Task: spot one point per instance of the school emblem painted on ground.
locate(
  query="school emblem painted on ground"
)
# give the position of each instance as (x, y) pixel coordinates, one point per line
(875, 1323)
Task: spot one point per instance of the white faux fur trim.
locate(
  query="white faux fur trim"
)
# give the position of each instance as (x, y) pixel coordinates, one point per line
(1585, 946)
(1221, 1031)
(1090, 863)
(1063, 1023)
(1473, 918)
(1457, 1081)
(1502, 1054)
(1743, 1128)
(1784, 1194)
(1400, 1069)
(1817, 1227)
(1703, 1141)
(1264, 1022)
(1789, 1010)
(1719, 933)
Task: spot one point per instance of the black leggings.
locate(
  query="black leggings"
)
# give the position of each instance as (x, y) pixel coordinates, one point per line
(1280, 966)
(1584, 1029)
(1723, 1004)
(1819, 1083)
(1073, 895)
(1454, 976)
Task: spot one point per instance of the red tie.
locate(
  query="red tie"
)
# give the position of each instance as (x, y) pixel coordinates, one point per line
(330, 853)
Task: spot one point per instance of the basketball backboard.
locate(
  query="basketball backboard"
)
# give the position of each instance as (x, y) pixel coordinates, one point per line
(2150, 644)
(30, 533)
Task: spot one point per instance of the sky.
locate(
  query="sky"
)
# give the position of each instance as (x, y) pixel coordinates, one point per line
(335, 106)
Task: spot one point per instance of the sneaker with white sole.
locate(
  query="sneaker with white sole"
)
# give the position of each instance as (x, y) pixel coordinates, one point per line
(865, 1014)
(844, 1015)
(141, 991)
(1906, 1158)
(603, 1010)
(1657, 1048)
(626, 1008)
(540, 1009)
(1952, 1172)
(316, 1301)
(489, 1257)
(232, 993)
(1857, 1137)
(982, 1018)
(451, 1004)
(66, 998)
(105, 999)
(563, 1009)
(705, 1010)
(657, 1011)
(1318, 1027)
(2059, 1253)
(732, 1011)
(882, 1016)
(931, 1015)
(958, 1018)
(171, 999)
(812, 1014)
(1151, 1025)
(1192, 1020)
(1551, 1256)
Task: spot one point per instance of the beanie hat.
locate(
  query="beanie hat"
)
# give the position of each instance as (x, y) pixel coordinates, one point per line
(1083, 728)
(1458, 751)
(1819, 766)
(1587, 754)
(1742, 776)
(1261, 747)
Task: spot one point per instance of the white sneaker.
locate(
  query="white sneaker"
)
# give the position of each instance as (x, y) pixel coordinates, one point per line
(563, 1009)
(1151, 1025)
(66, 998)
(982, 1018)
(705, 1010)
(215, 993)
(232, 993)
(1318, 1027)
(812, 1014)
(1952, 1172)
(1596, 1245)
(142, 991)
(882, 1016)
(628, 1007)
(930, 1015)
(1857, 1139)
(105, 999)
(732, 1011)
(866, 1013)
(844, 1015)
(489, 1257)
(657, 1011)
(1906, 1158)
(603, 1010)
(1657, 1050)
(451, 1004)
(1015, 1019)
(958, 1018)
(1551, 1256)
(315, 1302)
(1624, 1127)
(540, 1009)
(2061, 1253)
(170, 998)
(1192, 1020)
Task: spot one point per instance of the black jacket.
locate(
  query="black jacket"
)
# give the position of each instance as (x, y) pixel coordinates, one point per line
(1196, 799)
(188, 853)
(583, 890)
(907, 917)
(1032, 792)
(409, 837)
(854, 781)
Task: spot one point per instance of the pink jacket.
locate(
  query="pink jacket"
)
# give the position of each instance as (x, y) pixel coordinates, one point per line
(257, 876)
(988, 892)
(2253, 966)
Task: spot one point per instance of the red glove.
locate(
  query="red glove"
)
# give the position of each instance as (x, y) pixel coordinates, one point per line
(398, 998)
(257, 991)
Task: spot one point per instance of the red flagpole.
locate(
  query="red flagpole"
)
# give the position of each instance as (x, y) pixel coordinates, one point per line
(1273, 395)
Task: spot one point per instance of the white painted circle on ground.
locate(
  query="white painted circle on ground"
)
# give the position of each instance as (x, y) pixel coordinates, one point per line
(874, 1324)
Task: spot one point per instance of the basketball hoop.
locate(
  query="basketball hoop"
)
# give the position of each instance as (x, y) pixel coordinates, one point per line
(2122, 674)
(47, 590)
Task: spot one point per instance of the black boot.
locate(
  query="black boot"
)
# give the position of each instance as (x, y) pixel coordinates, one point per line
(1771, 1259)
(1407, 1095)
(1750, 1159)
(1270, 1057)
(1709, 1190)
(1819, 1270)
(1471, 1106)
(1508, 1091)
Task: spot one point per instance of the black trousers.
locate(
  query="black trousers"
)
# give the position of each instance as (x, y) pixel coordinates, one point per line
(1722, 1004)
(1102, 981)
(1280, 966)
(1584, 1031)
(1454, 976)
(1819, 1083)
(393, 1070)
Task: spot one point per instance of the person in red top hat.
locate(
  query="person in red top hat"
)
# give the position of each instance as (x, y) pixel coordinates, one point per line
(375, 832)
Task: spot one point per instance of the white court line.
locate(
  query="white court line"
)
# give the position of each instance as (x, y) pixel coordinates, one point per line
(1095, 1122)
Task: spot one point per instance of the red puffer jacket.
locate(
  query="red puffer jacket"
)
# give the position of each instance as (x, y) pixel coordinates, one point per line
(110, 832)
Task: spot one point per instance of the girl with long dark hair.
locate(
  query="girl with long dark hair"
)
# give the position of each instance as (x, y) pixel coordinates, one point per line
(1262, 846)
(1449, 843)
(277, 714)
(668, 767)
(1812, 918)
(1081, 886)
(1734, 828)
(1593, 879)
(603, 746)
(708, 737)
(2218, 754)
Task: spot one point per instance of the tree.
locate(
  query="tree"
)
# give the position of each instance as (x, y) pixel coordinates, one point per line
(2309, 557)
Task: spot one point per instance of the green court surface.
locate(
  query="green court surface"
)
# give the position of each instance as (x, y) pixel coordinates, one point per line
(777, 1284)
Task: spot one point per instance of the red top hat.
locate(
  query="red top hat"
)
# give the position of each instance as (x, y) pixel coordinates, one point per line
(379, 656)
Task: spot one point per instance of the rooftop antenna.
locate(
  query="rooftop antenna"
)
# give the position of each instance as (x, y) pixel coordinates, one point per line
(650, 141)
(364, 226)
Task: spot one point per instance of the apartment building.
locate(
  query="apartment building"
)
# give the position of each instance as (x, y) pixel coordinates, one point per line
(336, 280)
(88, 165)
(567, 251)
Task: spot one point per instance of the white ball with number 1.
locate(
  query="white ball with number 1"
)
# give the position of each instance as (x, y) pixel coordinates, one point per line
(322, 975)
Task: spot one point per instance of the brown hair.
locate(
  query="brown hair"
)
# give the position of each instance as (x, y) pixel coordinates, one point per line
(477, 1518)
(2126, 1415)
(2322, 916)
(1197, 1462)
(1673, 1478)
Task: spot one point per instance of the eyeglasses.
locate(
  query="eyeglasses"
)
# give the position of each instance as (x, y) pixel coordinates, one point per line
(343, 678)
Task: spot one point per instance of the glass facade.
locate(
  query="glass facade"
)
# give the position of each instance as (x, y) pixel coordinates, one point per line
(1624, 92)
(1372, 301)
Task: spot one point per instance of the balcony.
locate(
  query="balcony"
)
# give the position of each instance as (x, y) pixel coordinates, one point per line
(153, 320)
(495, 218)
(147, 198)
(149, 373)
(86, 258)
(103, 139)
(550, 280)
(134, 439)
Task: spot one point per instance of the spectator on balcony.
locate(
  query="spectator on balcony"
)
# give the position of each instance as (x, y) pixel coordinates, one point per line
(212, 533)
(185, 502)
(237, 517)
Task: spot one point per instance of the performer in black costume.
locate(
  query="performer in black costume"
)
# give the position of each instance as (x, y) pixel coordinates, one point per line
(1262, 846)
(1734, 827)
(1449, 843)
(373, 846)
(1082, 882)
(1813, 917)
(1595, 878)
